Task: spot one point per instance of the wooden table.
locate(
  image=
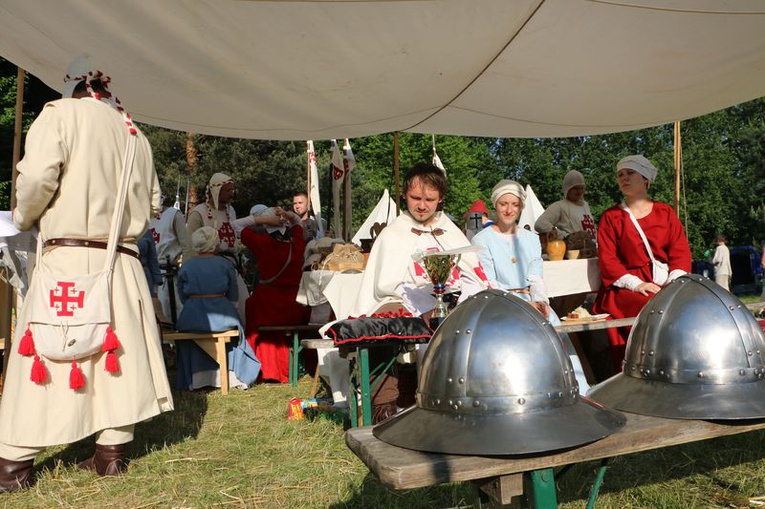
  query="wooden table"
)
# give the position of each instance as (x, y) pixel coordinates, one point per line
(502, 477)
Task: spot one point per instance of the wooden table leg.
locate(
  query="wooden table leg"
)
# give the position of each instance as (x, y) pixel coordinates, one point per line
(220, 353)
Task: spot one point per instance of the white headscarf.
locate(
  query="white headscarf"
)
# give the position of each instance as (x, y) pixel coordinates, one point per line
(205, 240)
(217, 181)
(639, 164)
(261, 210)
(504, 187)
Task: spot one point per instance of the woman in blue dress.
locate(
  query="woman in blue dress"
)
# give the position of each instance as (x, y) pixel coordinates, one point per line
(207, 287)
(512, 260)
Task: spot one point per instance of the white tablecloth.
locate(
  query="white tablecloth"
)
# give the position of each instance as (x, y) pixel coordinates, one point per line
(337, 288)
(565, 277)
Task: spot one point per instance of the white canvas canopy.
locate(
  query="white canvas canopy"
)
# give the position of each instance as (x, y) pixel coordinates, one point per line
(531, 211)
(335, 69)
(384, 212)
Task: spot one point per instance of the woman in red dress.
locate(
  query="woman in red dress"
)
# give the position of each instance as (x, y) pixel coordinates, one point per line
(626, 269)
(278, 250)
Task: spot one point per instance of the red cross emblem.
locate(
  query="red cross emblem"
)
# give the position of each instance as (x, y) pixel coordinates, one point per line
(155, 235)
(588, 225)
(61, 300)
(226, 234)
(337, 172)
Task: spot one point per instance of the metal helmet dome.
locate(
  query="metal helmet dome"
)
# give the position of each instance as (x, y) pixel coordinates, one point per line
(496, 380)
(695, 352)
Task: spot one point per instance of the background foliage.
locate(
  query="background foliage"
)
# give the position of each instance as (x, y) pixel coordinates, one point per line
(723, 157)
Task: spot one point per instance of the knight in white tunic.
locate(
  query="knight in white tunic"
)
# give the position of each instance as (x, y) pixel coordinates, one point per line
(67, 187)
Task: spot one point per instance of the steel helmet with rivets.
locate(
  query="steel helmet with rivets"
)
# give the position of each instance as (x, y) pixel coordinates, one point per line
(497, 380)
(695, 352)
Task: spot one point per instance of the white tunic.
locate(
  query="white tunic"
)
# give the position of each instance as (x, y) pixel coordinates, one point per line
(68, 181)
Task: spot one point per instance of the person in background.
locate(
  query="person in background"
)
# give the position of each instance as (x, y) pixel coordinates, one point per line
(629, 277)
(512, 260)
(572, 213)
(207, 286)
(148, 254)
(571, 219)
(279, 254)
(169, 231)
(300, 207)
(218, 213)
(67, 186)
(476, 219)
(721, 261)
(393, 281)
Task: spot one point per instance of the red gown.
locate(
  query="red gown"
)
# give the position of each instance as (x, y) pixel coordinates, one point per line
(273, 303)
(621, 251)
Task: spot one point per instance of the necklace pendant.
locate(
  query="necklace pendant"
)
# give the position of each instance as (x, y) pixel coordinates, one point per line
(513, 259)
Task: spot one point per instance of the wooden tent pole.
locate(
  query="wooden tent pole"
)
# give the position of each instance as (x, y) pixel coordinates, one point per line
(395, 173)
(9, 295)
(17, 132)
(678, 165)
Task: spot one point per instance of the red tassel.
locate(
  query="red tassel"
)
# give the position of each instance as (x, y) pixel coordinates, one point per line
(112, 363)
(27, 344)
(76, 378)
(39, 373)
(111, 342)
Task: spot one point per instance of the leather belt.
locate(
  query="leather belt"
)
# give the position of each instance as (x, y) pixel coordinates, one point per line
(206, 295)
(95, 244)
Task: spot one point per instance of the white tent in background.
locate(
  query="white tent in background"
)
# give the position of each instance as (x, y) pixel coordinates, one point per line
(531, 211)
(384, 212)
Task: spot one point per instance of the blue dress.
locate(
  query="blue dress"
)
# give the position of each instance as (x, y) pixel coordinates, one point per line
(207, 287)
(508, 261)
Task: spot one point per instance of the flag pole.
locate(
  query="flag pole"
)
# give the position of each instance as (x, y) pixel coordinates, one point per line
(307, 177)
(395, 172)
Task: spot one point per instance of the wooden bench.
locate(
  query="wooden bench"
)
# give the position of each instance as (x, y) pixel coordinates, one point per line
(294, 332)
(214, 345)
(502, 478)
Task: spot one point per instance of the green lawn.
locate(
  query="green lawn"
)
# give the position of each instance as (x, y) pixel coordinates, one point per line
(241, 451)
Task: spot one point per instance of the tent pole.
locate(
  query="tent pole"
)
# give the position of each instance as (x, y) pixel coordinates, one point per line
(395, 172)
(17, 132)
(9, 295)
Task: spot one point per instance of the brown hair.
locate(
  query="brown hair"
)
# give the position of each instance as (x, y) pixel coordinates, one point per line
(429, 175)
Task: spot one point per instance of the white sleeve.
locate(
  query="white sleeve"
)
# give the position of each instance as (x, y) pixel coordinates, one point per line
(538, 288)
(628, 281)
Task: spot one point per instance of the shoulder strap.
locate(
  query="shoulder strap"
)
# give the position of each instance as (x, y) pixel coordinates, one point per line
(639, 229)
(284, 267)
(119, 211)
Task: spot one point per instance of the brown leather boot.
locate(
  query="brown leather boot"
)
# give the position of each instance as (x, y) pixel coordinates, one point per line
(108, 460)
(15, 475)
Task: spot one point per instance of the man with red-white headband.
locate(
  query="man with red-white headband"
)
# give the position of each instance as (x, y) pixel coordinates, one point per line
(67, 187)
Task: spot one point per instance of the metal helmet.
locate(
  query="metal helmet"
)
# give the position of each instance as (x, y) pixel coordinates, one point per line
(496, 380)
(695, 352)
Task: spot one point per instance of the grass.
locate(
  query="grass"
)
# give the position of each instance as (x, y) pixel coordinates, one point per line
(240, 451)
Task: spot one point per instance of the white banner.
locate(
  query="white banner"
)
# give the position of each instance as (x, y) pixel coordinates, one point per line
(338, 174)
(313, 188)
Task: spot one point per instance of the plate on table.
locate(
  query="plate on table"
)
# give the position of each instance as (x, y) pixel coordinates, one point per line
(591, 318)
